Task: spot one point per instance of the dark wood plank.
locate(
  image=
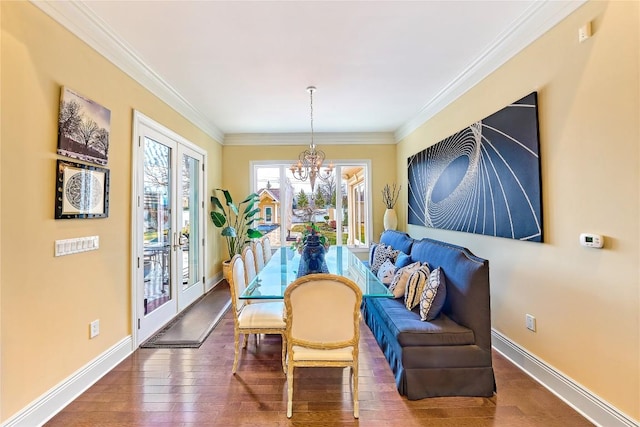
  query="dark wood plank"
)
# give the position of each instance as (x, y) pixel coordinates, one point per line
(195, 387)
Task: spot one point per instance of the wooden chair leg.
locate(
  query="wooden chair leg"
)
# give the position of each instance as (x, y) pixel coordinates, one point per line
(284, 354)
(236, 350)
(246, 340)
(289, 390)
(356, 402)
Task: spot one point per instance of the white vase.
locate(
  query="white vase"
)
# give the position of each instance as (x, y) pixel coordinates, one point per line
(390, 219)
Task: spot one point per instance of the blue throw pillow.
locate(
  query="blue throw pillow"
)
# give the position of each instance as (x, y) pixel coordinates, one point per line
(372, 251)
(402, 260)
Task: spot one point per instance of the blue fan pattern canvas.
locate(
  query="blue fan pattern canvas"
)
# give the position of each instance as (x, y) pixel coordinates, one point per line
(484, 179)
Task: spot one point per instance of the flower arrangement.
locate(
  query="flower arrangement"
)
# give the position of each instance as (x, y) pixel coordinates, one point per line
(390, 195)
(310, 229)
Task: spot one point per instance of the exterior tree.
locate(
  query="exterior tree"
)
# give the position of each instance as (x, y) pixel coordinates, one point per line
(319, 198)
(328, 189)
(302, 199)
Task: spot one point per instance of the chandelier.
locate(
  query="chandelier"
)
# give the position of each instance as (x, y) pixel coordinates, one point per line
(310, 161)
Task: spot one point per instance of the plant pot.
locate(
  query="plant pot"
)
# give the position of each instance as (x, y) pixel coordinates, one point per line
(226, 270)
(390, 219)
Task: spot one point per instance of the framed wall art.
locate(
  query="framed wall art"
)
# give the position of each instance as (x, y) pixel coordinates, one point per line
(83, 128)
(82, 191)
(484, 179)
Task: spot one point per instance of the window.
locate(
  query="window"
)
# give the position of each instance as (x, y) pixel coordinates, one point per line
(339, 205)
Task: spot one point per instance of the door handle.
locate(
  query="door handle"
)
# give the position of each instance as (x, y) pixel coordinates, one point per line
(179, 240)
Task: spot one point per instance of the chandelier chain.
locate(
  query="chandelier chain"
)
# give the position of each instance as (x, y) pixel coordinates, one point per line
(310, 161)
(312, 89)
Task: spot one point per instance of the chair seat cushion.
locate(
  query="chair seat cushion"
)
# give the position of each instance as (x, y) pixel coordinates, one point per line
(309, 354)
(264, 315)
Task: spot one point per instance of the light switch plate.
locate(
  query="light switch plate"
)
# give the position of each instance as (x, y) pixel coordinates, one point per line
(76, 245)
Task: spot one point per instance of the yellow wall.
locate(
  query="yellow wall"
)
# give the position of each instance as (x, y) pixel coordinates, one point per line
(48, 302)
(586, 301)
(382, 157)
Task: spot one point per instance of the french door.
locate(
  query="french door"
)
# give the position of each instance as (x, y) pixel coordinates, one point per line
(168, 226)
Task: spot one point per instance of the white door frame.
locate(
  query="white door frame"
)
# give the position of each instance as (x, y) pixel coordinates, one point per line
(141, 121)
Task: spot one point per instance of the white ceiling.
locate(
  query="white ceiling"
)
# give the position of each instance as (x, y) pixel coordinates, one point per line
(239, 67)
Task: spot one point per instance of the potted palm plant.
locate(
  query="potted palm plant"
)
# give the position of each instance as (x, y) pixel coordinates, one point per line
(236, 221)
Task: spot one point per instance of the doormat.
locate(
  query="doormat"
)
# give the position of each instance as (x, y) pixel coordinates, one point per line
(190, 328)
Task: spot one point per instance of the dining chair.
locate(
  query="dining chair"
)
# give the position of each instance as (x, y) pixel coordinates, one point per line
(249, 259)
(323, 327)
(258, 252)
(265, 318)
(266, 245)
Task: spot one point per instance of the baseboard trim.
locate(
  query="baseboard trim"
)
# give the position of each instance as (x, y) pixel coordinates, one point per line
(213, 282)
(592, 407)
(53, 401)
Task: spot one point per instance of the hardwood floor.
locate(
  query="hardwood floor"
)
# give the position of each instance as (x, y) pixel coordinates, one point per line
(195, 387)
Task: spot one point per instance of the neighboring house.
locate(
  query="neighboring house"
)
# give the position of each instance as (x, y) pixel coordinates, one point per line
(269, 205)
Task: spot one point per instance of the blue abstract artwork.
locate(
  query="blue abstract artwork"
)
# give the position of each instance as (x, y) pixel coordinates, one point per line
(484, 179)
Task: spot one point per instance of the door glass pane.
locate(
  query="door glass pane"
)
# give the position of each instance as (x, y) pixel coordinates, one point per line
(354, 217)
(190, 232)
(271, 198)
(157, 225)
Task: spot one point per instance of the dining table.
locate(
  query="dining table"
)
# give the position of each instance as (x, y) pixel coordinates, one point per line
(282, 269)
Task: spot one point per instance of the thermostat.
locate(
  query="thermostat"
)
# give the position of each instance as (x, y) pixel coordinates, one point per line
(591, 240)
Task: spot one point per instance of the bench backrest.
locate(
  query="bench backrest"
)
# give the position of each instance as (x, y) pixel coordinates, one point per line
(468, 300)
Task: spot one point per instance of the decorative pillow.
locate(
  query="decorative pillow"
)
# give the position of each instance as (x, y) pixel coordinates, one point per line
(402, 260)
(381, 254)
(415, 285)
(372, 251)
(399, 283)
(433, 296)
(386, 272)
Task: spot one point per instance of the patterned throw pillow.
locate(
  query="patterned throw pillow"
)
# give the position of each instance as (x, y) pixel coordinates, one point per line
(433, 296)
(415, 285)
(386, 272)
(399, 283)
(372, 251)
(381, 254)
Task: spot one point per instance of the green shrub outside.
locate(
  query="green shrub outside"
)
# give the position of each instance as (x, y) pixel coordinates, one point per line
(325, 230)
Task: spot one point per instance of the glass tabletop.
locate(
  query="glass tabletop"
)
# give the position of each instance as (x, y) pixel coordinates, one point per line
(282, 269)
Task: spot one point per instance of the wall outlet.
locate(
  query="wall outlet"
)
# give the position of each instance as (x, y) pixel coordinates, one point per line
(530, 322)
(94, 328)
(584, 32)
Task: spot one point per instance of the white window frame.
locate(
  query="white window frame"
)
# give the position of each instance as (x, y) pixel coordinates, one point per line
(338, 164)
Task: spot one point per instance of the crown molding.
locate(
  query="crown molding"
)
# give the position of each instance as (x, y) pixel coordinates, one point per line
(539, 18)
(81, 21)
(324, 138)
(88, 27)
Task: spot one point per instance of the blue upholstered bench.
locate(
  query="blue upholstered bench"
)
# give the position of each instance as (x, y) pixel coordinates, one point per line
(450, 355)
